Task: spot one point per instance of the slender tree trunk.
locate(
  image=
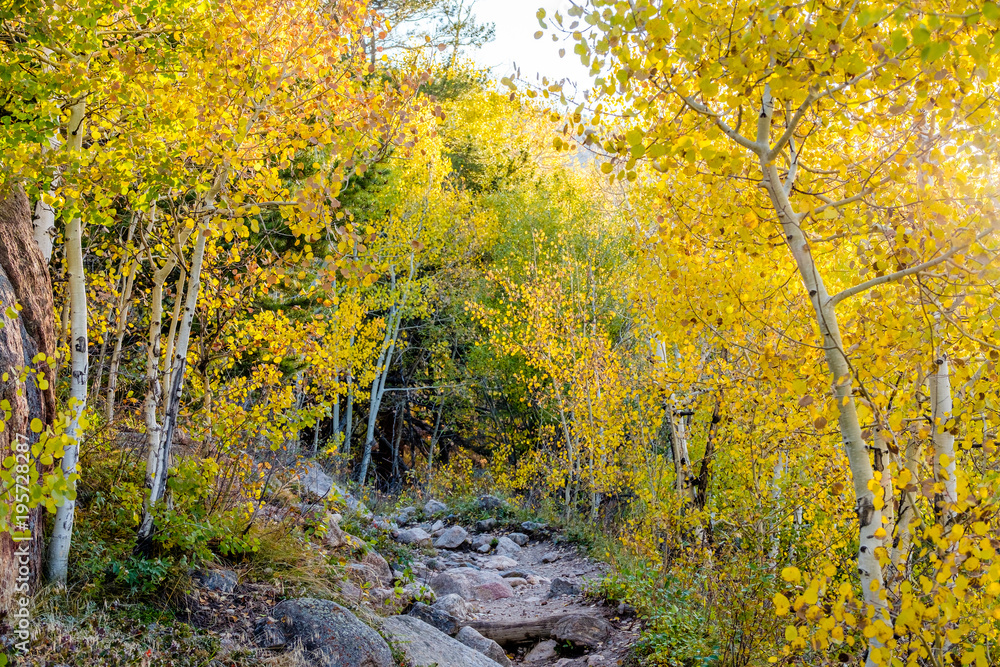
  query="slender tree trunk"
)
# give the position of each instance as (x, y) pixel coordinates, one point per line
(44, 220)
(168, 357)
(62, 532)
(943, 440)
(907, 511)
(378, 387)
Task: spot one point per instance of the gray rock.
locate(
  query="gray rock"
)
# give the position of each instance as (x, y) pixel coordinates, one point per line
(453, 538)
(486, 525)
(454, 605)
(487, 647)
(441, 620)
(520, 539)
(433, 507)
(532, 527)
(384, 523)
(315, 482)
(268, 633)
(438, 525)
(382, 570)
(484, 548)
(487, 503)
(582, 630)
(415, 536)
(426, 646)
(363, 575)
(223, 581)
(563, 587)
(542, 652)
(521, 572)
(405, 515)
(499, 563)
(471, 584)
(507, 547)
(331, 635)
(551, 557)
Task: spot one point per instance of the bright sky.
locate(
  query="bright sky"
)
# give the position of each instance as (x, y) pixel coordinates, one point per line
(515, 42)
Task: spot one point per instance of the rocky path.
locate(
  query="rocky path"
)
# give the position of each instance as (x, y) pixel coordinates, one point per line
(517, 585)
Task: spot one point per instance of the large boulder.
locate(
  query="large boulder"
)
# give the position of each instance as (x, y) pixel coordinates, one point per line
(453, 538)
(487, 647)
(471, 584)
(582, 630)
(415, 536)
(426, 646)
(330, 634)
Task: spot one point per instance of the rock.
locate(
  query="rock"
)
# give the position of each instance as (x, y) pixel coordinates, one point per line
(350, 591)
(532, 527)
(521, 572)
(363, 575)
(405, 515)
(487, 647)
(484, 548)
(354, 543)
(426, 646)
(471, 584)
(520, 539)
(625, 610)
(356, 506)
(382, 570)
(268, 633)
(434, 564)
(315, 481)
(384, 524)
(487, 503)
(217, 579)
(563, 587)
(543, 651)
(551, 557)
(582, 630)
(499, 563)
(334, 536)
(454, 605)
(438, 525)
(418, 592)
(596, 660)
(516, 582)
(331, 635)
(479, 540)
(441, 620)
(486, 525)
(453, 538)
(507, 547)
(433, 507)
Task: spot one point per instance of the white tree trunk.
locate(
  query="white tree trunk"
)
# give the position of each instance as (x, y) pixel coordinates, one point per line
(944, 441)
(62, 531)
(44, 220)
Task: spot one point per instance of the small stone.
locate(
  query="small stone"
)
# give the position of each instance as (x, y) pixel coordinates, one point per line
(384, 524)
(551, 557)
(438, 525)
(453, 538)
(563, 587)
(405, 515)
(520, 539)
(437, 618)
(521, 572)
(434, 507)
(483, 548)
(486, 525)
(516, 582)
(487, 647)
(480, 540)
(625, 610)
(543, 651)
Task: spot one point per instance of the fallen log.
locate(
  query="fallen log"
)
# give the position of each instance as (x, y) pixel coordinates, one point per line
(507, 633)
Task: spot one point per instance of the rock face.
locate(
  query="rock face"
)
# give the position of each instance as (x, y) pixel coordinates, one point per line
(563, 587)
(223, 581)
(441, 620)
(582, 630)
(487, 647)
(434, 507)
(454, 605)
(471, 584)
(426, 646)
(330, 634)
(415, 536)
(453, 538)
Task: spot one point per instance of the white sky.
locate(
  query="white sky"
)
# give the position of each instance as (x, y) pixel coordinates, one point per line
(516, 25)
